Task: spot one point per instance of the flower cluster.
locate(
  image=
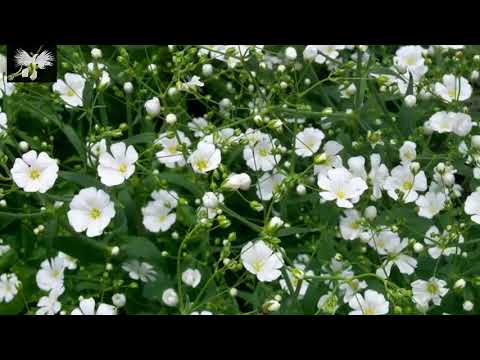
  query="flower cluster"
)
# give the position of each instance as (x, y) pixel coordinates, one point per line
(242, 179)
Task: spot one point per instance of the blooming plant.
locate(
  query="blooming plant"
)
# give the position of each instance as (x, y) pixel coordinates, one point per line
(242, 179)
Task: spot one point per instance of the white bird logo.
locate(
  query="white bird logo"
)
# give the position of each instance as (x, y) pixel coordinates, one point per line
(29, 63)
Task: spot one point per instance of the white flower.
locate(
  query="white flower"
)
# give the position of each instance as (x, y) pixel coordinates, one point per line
(268, 185)
(425, 291)
(261, 261)
(152, 106)
(439, 243)
(35, 173)
(410, 59)
(430, 204)
(206, 158)
(192, 277)
(168, 199)
(32, 62)
(198, 125)
(210, 200)
(119, 300)
(259, 155)
(171, 155)
(321, 52)
(170, 297)
(49, 305)
(444, 122)
(4, 249)
(340, 185)
(139, 271)
(356, 165)
(69, 262)
(6, 88)
(408, 152)
(350, 288)
(350, 227)
(94, 151)
(308, 141)
(371, 303)
(157, 217)
(403, 180)
(91, 210)
(87, 307)
(9, 284)
(377, 175)
(238, 181)
(50, 275)
(71, 90)
(329, 157)
(3, 124)
(203, 312)
(192, 84)
(393, 248)
(453, 88)
(118, 166)
(472, 206)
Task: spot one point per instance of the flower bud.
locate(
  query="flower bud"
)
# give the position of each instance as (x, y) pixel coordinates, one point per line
(370, 213)
(459, 284)
(115, 251)
(152, 106)
(170, 297)
(207, 69)
(96, 53)
(171, 119)
(410, 101)
(119, 300)
(128, 87)
(468, 306)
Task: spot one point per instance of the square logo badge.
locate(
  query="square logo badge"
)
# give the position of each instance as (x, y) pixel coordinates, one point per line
(32, 63)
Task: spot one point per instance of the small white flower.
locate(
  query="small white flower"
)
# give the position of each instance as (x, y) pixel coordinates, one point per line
(340, 185)
(119, 300)
(210, 200)
(157, 217)
(430, 204)
(371, 303)
(259, 155)
(408, 152)
(35, 173)
(308, 142)
(170, 297)
(94, 151)
(238, 182)
(472, 206)
(3, 124)
(139, 271)
(33, 62)
(453, 88)
(91, 210)
(203, 312)
(403, 180)
(118, 166)
(152, 106)
(330, 158)
(87, 307)
(350, 227)
(206, 158)
(9, 284)
(192, 277)
(295, 277)
(69, 262)
(268, 185)
(192, 84)
(50, 275)
(49, 305)
(168, 199)
(377, 175)
(198, 125)
(171, 155)
(259, 259)
(425, 291)
(71, 90)
(439, 243)
(444, 122)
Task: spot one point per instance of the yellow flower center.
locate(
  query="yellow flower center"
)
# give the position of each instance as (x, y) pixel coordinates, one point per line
(407, 185)
(202, 165)
(257, 265)
(368, 311)
(162, 218)
(410, 61)
(263, 152)
(341, 195)
(34, 174)
(432, 288)
(172, 149)
(122, 168)
(95, 213)
(70, 93)
(452, 93)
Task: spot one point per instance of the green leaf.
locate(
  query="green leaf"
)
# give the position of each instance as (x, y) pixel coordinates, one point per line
(84, 249)
(80, 179)
(74, 139)
(181, 180)
(140, 247)
(144, 138)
